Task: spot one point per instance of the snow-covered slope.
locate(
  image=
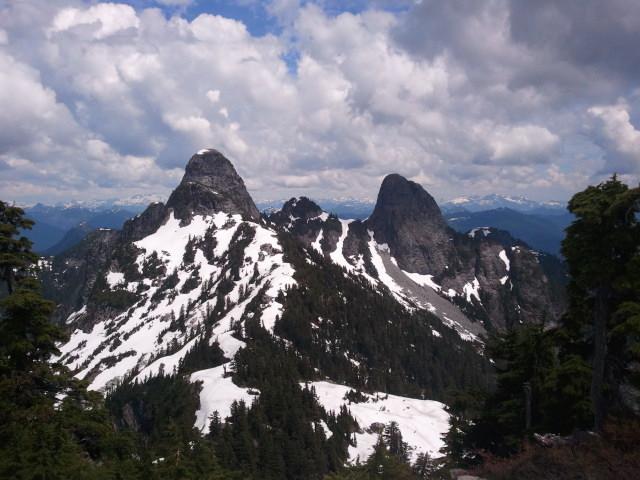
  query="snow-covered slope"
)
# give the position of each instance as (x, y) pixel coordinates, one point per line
(156, 332)
(329, 234)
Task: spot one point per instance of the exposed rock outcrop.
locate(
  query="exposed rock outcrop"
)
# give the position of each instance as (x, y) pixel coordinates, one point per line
(211, 184)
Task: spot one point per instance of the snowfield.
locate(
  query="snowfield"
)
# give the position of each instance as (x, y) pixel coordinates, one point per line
(422, 422)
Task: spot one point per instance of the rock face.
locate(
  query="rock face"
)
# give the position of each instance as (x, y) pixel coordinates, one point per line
(408, 219)
(145, 223)
(211, 184)
(501, 279)
(300, 208)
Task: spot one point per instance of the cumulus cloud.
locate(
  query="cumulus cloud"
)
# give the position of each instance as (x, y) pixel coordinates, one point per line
(106, 100)
(619, 138)
(102, 20)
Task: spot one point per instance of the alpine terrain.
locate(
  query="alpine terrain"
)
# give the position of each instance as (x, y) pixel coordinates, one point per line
(372, 320)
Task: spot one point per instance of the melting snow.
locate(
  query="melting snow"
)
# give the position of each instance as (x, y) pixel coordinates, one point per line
(383, 276)
(505, 259)
(337, 256)
(114, 279)
(316, 245)
(422, 422)
(484, 230)
(134, 337)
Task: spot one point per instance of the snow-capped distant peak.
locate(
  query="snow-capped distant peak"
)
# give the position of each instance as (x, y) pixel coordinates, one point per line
(493, 201)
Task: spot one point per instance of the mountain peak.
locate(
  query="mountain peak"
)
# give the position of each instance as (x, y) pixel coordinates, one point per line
(400, 199)
(206, 164)
(409, 221)
(211, 184)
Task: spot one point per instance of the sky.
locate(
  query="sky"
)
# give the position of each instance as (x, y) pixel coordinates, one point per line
(467, 97)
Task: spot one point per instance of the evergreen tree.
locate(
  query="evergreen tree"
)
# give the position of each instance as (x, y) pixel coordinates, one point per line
(602, 249)
(16, 256)
(50, 426)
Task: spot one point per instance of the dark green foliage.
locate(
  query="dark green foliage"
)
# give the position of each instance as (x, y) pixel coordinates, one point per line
(16, 256)
(242, 237)
(28, 338)
(50, 426)
(117, 299)
(425, 467)
(160, 405)
(191, 283)
(167, 287)
(382, 464)
(281, 429)
(125, 257)
(202, 356)
(602, 249)
(524, 360)
(392, 437)
(152, 266)
(189, 251)
(159, 413)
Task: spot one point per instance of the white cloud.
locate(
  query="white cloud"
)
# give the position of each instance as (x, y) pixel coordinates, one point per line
(619, 138)
(520, 143)
(94, 95)
(104, 19)
(174, 3)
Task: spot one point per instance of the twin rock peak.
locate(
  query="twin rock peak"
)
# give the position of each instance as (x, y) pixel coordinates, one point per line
(211, 184)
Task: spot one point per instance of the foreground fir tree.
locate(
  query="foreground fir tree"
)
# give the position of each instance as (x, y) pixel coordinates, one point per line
(50, 426)
(602, 249)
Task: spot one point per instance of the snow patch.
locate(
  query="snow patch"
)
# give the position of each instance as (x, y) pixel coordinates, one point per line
(422, 422)
(217, 394)
(423, 280)
(337, 256)
(505, 259)
(114, 279)
(484, 230)
(471, 289)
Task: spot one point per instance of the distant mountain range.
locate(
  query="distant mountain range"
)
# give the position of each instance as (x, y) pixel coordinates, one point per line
(495, 201)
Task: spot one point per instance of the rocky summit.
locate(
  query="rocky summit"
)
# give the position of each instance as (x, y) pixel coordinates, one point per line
(211, 184)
